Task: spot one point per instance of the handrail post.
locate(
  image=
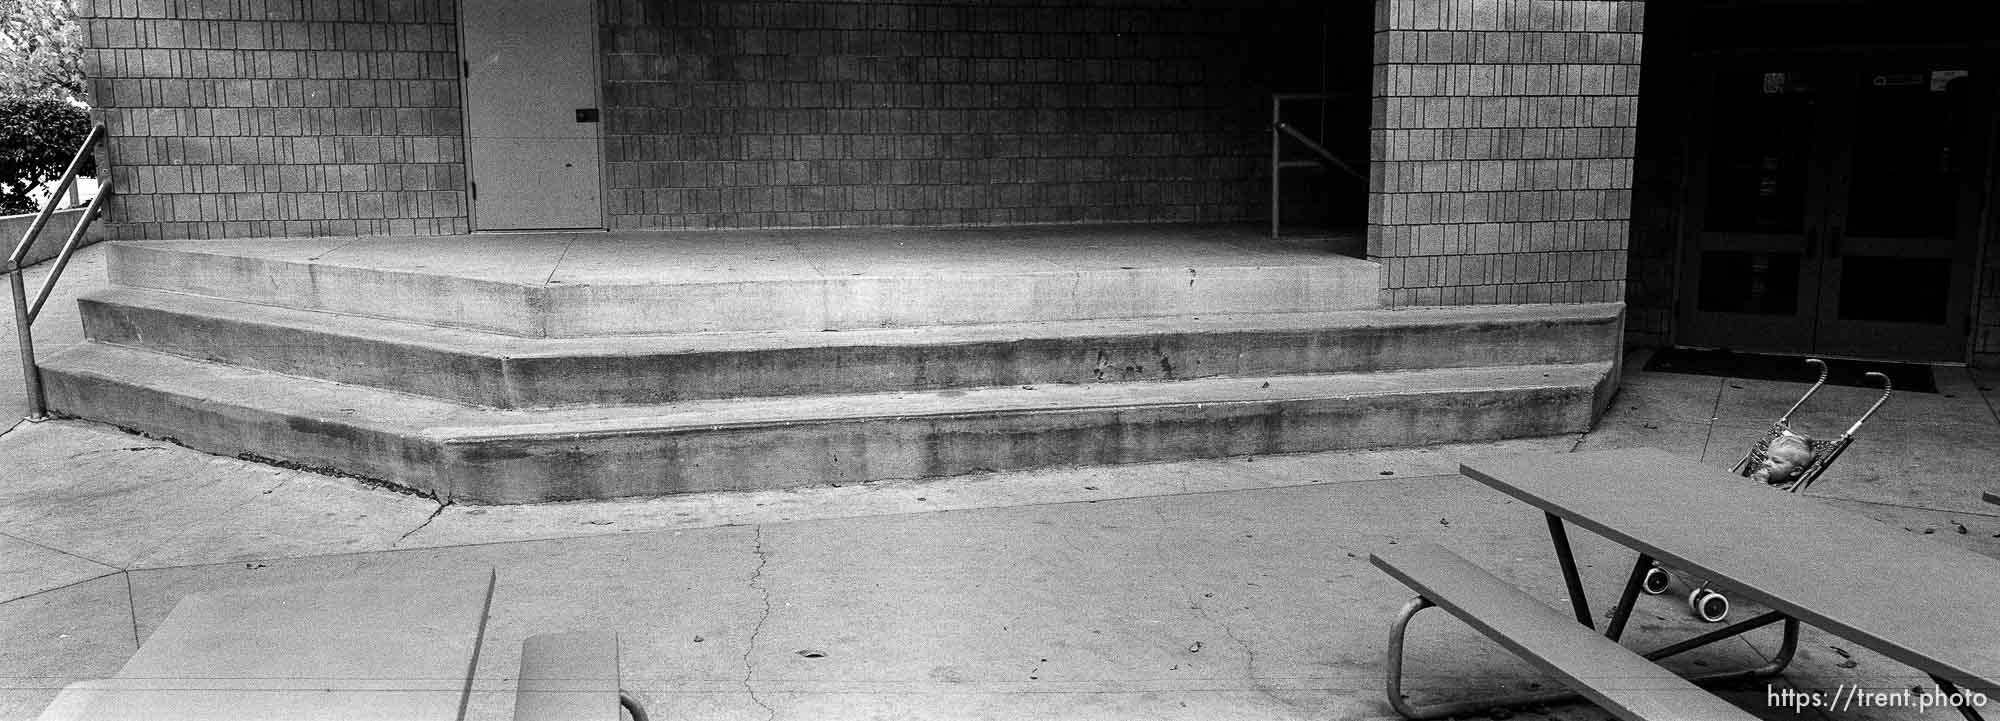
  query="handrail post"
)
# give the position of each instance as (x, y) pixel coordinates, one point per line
(30, 374)
(25, 312)
(1277, 174)
(1280, 129)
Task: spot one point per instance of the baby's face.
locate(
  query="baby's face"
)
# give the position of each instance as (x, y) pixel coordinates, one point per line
(1779, 467)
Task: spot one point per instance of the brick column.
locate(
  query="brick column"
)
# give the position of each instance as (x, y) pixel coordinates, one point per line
(1503, 138)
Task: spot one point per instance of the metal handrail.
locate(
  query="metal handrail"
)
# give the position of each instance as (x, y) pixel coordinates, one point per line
(1318, 149)
(25, 312)
(1279, 131)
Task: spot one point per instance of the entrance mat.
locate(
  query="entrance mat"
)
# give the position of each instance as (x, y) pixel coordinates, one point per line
(1914, 377)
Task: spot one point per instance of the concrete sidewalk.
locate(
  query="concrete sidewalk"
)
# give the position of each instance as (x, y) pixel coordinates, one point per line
(1228, 589)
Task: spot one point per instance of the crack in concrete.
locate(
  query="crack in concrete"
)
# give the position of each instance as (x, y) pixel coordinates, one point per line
(427, 521)
(757, 576)
(122, 449)
(72, 584)
(1069, 541)
(1249, 654)
(1714, 414)
(343, 245)
(71, 554)
(132, 605)
(553, 269)
(1201, 611)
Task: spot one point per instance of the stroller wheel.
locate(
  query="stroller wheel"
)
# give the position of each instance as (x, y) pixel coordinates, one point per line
(1656, 581)
(1709, 605)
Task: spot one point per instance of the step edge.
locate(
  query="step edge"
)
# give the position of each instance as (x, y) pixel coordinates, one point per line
(1361, 268)
(1574, 376)
(450, 436)
(475, 342)
(62, 362)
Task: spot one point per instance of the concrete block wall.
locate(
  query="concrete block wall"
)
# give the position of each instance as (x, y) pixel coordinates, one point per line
(54, 233)
(244, 118)
(785, 113)
(235, 118)
(1503, 144)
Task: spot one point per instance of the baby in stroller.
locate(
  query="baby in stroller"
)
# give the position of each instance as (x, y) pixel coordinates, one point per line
(1782, 459)
(1785, 460)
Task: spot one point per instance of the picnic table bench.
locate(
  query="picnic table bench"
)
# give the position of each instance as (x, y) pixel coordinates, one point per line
(1925, 604)
(1610, 675)
(572, 676)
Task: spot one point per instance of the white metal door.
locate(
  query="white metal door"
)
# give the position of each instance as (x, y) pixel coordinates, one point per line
(531, 114)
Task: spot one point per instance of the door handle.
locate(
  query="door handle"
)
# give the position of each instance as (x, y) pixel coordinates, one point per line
(586, 115)
(1812, 242)
(1833, 242)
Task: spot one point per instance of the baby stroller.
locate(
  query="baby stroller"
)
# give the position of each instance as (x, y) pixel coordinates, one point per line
(1710, 604)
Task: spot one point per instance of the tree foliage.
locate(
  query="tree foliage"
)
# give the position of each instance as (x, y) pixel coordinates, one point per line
(41, 48)
(38, 136)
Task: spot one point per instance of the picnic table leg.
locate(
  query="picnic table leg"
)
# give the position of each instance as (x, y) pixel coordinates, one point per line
(1950, 689)
(1734, 629)
(1630, 596)
(1568, 559)
(1394, 663)
(632, 706)
(1787, 646)
(1394, 677)
(1394, 667)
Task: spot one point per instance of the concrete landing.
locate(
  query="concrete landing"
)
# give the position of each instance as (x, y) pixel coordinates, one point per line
(565, 285)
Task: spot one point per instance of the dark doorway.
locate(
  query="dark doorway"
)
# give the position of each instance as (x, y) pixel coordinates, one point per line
(1832, 186)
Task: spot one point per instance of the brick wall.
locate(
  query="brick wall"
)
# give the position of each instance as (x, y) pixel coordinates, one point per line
(234, 118)
(302, 117)
(752, 113)
(1503, 144)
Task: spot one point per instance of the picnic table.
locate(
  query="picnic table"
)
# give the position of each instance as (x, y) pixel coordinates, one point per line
(1916, 600)
(345, 650)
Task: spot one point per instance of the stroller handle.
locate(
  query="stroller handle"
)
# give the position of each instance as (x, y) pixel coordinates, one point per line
(1887, 388)
(1815, 389)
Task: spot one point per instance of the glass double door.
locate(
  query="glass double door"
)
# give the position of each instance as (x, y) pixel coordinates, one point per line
(1835, 207)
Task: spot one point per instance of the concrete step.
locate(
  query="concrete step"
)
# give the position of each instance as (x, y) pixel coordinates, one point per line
(603, 285)
(504, 371)
(471, 454)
